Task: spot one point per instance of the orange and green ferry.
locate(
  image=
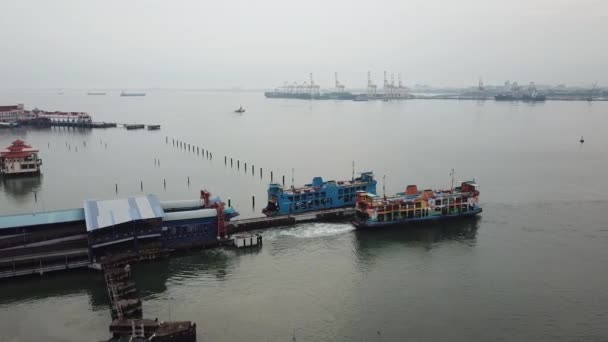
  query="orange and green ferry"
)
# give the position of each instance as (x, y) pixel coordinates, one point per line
(414, 205)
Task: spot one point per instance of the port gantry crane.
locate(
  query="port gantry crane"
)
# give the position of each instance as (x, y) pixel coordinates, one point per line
(372, 89)
(339, 87)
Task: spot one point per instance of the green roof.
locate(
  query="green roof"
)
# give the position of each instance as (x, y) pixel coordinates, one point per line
(47, 217)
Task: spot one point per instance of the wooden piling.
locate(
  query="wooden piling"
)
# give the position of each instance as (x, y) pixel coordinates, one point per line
(253, 200)
(229, 203)
(271, 176)
(116, 184)
(283, 180)
(141, 185)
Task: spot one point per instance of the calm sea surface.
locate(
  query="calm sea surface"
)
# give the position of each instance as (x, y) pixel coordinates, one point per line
(533, 267)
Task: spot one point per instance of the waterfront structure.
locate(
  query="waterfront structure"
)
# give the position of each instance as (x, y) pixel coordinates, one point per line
(59, 117)
(11, 113)
(413, 205)
(19, 159)
(85, 237)
(319, 195)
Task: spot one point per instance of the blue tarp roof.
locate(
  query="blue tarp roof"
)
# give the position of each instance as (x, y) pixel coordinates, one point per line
(48, 217)
(107, 213)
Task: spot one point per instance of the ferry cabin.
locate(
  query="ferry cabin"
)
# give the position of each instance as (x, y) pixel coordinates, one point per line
(318, 195)
(414, 205)
(19, 159)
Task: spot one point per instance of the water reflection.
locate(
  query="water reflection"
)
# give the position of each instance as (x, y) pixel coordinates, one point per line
(369, 243)
(58, 284)
(153, 278)
(22, 188)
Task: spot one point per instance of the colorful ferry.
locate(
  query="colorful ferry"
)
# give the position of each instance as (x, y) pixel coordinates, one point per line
(318, 195)
(413, 205)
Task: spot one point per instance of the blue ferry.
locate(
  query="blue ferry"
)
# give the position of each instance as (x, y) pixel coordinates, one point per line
(318, 195)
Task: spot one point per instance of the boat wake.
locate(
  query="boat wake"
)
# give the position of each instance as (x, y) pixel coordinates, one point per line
(309, 231)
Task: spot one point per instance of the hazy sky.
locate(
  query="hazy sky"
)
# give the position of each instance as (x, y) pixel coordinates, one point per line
(261, 43)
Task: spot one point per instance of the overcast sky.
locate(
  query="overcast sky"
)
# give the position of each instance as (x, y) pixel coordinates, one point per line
(262, 43)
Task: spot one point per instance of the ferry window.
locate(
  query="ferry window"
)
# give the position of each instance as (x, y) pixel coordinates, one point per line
(437, 202)
(290, 198)
(316, 202)
(340, 192)
(323, 194)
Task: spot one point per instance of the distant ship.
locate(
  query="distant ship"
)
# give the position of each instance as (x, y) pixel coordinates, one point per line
(533, 97)
(278, 94)
(123, 93)
(361, 97)
(505, 97)
(95, 93)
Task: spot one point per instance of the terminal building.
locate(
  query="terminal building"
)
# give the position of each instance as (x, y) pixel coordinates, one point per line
(82, 237)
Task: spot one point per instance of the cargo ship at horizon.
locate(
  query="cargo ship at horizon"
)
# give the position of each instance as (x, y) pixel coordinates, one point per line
(123, 93)
(374, 211)
(319, 195)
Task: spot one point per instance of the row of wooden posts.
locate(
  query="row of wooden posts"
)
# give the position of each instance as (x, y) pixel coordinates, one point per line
(198, 150)
(209, 155)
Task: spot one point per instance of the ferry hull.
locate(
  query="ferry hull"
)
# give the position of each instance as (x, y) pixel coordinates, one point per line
(367, 224)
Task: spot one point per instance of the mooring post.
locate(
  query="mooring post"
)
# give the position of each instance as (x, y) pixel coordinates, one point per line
(141, 185)
(165, 183)
(229, 203)
(35, 197)
(253, 200)
(167, 140)
(238, 164)
(271, 176)
(245, 168)
(188, 180)
(260, 173)
(230, 162)
(283, 180)
(116, 184)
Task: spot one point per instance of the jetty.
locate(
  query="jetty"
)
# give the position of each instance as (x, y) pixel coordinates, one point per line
(126, 307)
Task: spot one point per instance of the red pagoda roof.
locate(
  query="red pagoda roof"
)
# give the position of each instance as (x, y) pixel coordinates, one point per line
(19, 147)
(15, 154)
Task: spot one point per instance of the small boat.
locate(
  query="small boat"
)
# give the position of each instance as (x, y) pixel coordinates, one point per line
(153, 127)
(582, 140)
(9, 124)
(240, 110)
(134, 126)
(96, 93)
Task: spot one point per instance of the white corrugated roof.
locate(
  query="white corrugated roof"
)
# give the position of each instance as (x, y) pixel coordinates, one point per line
(107, 213)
